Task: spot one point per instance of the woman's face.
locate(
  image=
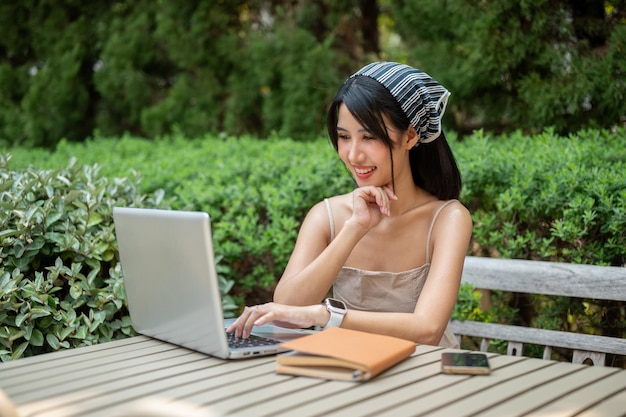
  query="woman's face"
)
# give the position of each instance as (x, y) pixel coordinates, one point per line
(367, 157)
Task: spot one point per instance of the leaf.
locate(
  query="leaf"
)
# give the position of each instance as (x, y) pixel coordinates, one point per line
(82, 206)
(53, 217)
(17, 353)
(53, 341)
(94, 219)
(6, 185)
(28, 332)
(66, 332)
(37, 243)
(36, 313)
(18, 248)
(36, 338)
(5, 278)
(9, 232)
(76, 290)
(72, 195)
(55, 237)
(20, 319)
(81, 332)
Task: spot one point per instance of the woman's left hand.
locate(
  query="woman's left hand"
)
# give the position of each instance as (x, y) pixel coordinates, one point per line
(280, 314)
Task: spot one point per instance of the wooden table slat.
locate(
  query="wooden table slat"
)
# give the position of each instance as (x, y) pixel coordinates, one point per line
(120, 384)
(326, 399)
(171, 389)
(586, 397)
(72, 371)
(291, 401)
(614, 406)
(318, 398)
(120, 377)
(109, 381)
(544, 392)
(502, 369)
(75, 353)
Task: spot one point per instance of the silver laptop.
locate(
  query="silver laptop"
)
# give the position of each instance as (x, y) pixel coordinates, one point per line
(172, 286)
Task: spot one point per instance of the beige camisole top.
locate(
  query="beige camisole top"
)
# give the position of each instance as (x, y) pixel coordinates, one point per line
(385, 291)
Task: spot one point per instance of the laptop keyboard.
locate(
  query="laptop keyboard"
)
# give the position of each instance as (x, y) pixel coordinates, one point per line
(252, 341)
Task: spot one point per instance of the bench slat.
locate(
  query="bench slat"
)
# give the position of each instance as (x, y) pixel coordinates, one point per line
(540, 336)
(549, 278)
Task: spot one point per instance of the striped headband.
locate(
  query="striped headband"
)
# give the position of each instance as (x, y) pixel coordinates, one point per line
(421, 97)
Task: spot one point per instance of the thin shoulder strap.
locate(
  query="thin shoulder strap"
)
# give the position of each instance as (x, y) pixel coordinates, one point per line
(330, 219)
(432, 225)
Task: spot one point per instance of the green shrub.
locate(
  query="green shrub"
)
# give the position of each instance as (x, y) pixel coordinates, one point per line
(60, 278)
(548, 197)
(531, 197)
(552, 198)
(468, 305)
(521, 64)
(257, 192)
(69, 69)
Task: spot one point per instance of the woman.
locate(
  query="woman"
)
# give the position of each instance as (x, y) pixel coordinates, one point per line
(392, 250)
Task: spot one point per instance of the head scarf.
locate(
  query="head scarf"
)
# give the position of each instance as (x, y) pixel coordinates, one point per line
(421, 97)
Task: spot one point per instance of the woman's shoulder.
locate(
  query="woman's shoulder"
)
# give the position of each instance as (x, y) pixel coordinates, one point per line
(337, 203)
(453, 208)
(330, 207)
(435, 208)
(341, 198)
(450, 208)
(450, 215)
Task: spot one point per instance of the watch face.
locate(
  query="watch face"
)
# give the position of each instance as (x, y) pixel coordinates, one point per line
(336, 303)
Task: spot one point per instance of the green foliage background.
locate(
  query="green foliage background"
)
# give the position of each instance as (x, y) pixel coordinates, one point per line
(89, 81)
(149, 68)
(60, 279)
(522, 64)
(532, 197)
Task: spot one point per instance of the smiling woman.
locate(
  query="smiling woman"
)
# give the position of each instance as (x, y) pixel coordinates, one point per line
(392, 99)
(392, 250)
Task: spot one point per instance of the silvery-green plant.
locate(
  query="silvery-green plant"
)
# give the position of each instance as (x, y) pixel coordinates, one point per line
(60, 278)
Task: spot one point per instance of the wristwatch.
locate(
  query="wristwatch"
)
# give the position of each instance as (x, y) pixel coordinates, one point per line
(337, 310)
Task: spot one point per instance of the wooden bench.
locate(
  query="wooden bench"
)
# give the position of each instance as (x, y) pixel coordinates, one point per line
(547, 278)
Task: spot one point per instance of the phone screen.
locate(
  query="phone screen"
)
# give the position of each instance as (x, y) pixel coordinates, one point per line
(465, 363)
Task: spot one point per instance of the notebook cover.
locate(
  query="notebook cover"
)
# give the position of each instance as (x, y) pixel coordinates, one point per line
(338, 353)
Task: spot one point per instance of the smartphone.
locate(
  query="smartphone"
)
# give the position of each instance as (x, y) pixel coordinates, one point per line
(470, 363)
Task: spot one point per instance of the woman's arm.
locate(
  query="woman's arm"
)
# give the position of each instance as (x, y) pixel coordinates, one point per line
(428, 321)
(310, 272)
(449, 243)
(316, 260)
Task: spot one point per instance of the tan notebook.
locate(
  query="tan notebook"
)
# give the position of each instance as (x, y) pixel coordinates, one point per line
(338, 353)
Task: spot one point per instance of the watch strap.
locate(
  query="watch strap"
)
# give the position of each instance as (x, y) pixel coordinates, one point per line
(336, 316)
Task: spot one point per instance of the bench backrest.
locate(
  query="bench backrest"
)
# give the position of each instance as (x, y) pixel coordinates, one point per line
(546, 278)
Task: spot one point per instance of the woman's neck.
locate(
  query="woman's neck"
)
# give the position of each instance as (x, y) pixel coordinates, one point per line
(410, 197)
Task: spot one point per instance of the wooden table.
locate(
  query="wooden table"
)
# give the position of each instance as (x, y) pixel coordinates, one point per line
(121, 377)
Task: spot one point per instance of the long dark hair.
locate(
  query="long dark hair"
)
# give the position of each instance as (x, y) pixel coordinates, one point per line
(432, 164)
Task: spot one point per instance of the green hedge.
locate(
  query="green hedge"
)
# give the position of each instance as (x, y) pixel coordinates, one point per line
(548, 197)
(60, 279)
(70, 68)
(532, 197)
(551, 198)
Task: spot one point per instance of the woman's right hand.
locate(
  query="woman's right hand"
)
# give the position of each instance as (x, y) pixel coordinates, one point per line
(279, 314)
(370, 204)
